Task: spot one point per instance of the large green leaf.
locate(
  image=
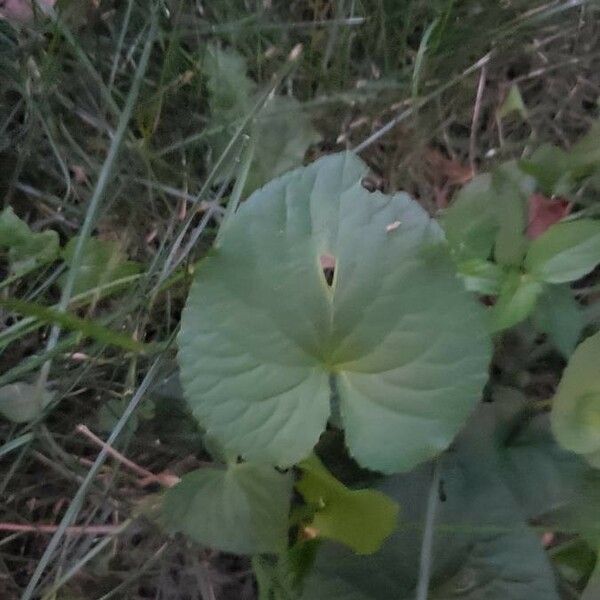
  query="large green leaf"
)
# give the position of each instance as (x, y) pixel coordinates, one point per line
(565, 252)
(242, 509)
(483, 548)
(576, 405)
(26, 249)
(361, 519)
(263, 333)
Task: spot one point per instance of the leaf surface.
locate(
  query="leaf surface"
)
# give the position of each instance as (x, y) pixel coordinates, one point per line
(565, 252)
(23, 402)
(483, 548)
(26, 249)
(361, 519)
(242, 509)
(263, 332)
(576, 405)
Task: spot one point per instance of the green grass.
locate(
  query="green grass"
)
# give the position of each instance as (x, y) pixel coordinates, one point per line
(103, 129)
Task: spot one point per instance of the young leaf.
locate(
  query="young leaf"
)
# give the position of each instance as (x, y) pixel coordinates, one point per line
(481, 276)
(264, 330)
(559, 316)
(550, 167)
(566, 252)
(361, 519)
(281, 132)
(576, 405)
(242, 509)
(511, 188)
(516, 301)
(513, 103)
(23, 402)
(470, 223)
(102, 262)
(26, 249)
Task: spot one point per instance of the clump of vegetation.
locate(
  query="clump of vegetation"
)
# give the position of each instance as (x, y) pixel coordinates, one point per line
(299, 300)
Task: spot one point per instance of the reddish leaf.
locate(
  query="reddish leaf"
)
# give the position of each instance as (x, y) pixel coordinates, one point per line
(544, 212)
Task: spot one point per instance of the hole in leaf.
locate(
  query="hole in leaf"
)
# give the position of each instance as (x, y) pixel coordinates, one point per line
(328, 265)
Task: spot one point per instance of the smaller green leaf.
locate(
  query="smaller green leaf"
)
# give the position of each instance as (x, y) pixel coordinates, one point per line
(470, 223)
(517, 299)
(230, 89)
(513, 103)
(281, 132)
(360, 519)
(26, 249)
(110, 412)
(102, 263)
(243, 509)
(23, 402)
(481, 276)
(550, 167)
(565, 252)
(511, 187)
(576, 405)
(559, 316)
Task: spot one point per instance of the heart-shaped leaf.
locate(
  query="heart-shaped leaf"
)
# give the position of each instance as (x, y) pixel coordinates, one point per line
(576, 405)
(565, 252)
(264, 332)
(242, 509)
(361, 519)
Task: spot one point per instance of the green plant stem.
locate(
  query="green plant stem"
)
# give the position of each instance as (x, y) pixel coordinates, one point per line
(427, 544)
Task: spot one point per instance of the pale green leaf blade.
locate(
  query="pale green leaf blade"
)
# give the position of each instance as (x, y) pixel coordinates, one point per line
(283, 132)
(360, 519)
(263, 331)
(550, 166)
(511, 188)
(565, 252)
(576, 405)
(559, 315)
(230, 89)
(23, 402)
(513, 103)
(103, 262)
(517, 300)
(470, 223)
(243, 509)
(26, 249)
(481, 276)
